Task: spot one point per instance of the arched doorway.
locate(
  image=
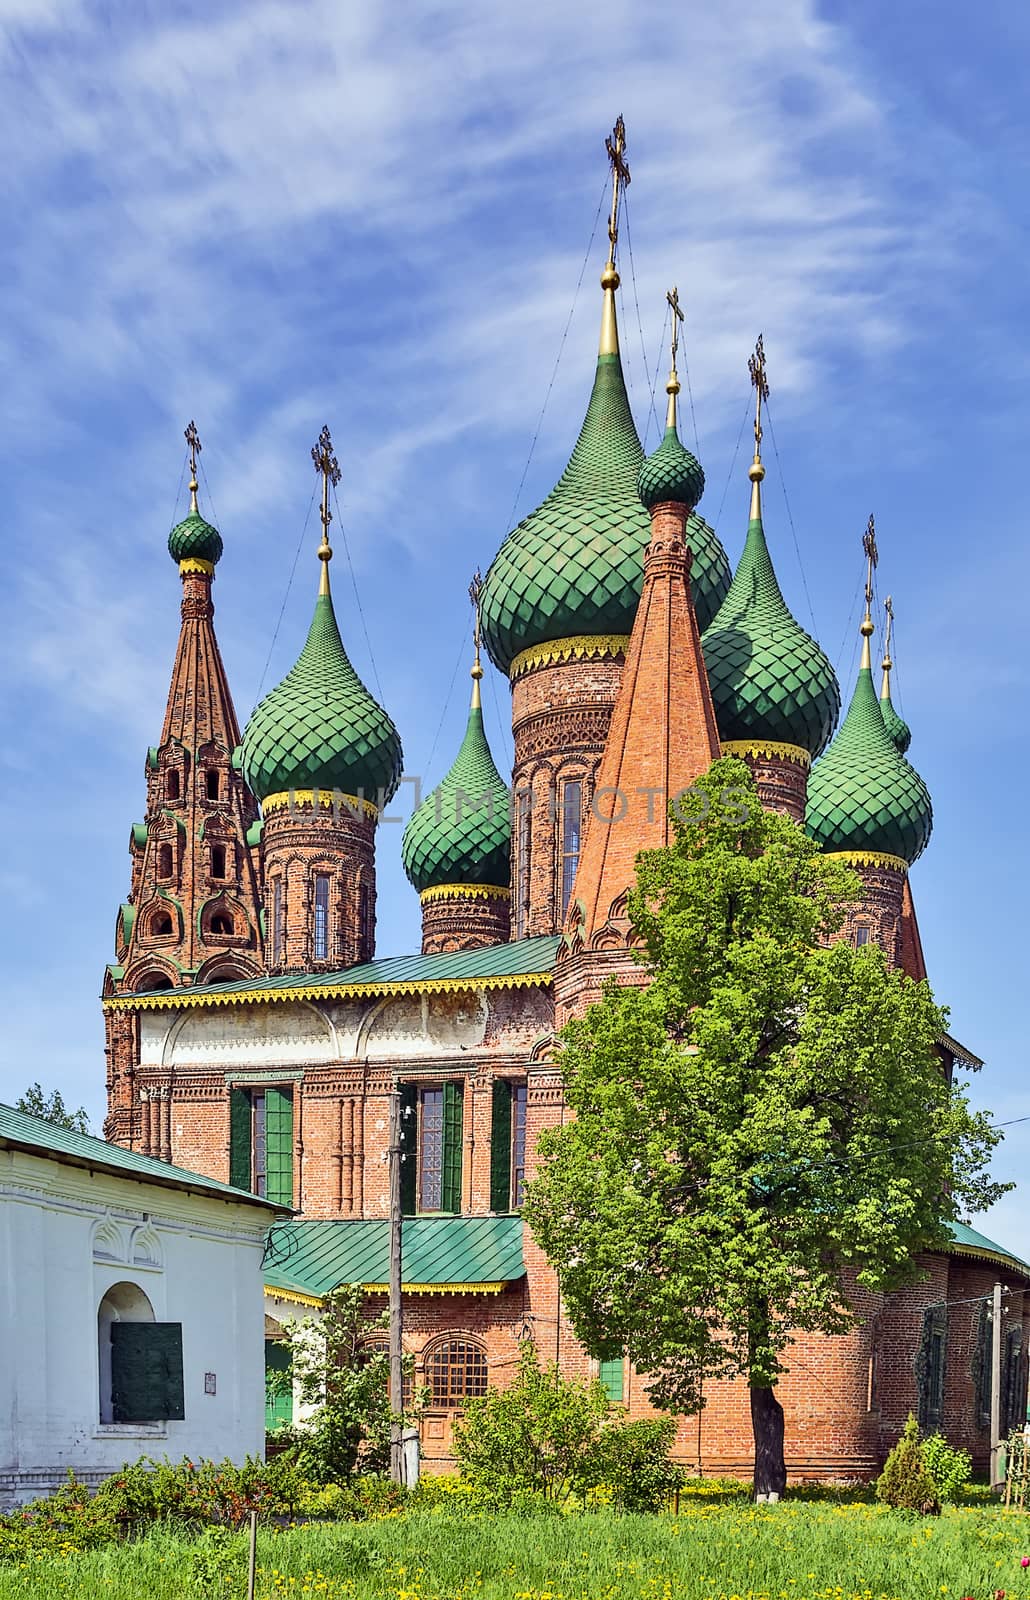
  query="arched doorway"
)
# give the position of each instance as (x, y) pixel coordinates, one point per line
(123, 1302)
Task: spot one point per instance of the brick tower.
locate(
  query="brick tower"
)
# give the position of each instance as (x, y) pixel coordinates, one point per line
(457, 844)
(870, 808)
(194, 909)
(663, 733)
(775, 693)
(558, 606)
(323, 758)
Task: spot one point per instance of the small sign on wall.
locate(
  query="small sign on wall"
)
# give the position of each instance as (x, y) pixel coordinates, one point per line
(210, 1383)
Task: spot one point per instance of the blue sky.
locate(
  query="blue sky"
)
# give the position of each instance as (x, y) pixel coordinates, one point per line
(275, 215)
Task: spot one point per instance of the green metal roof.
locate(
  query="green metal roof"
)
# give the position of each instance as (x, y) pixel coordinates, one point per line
(35, 1134)
(863, 795)
(769, 678)
(461, 833)
(671, 473)
(193, 538)
(320, 728)
(575, 565)
(515, 965)
(897, 727)
(312, 1257)
(970, 1243)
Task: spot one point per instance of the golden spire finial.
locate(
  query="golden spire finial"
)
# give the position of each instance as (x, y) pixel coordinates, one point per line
(672, 388)
(887, 663)
(872, 556)
(760, 384)
(328, 469)
(193, 441)
(475, 590)
(615, 144)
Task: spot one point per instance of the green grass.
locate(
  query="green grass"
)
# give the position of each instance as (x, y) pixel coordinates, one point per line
(714, 1550)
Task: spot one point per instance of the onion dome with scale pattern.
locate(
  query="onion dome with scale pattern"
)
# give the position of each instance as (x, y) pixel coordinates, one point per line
(671, 473)
(770, 681)
(574, 567)
(321, 728)
(194, 539)
(461, 833)
(897, 727)
(863, 796)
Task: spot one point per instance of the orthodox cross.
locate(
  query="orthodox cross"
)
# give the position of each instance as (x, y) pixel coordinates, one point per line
(673, 297)
(888, 607)
(192, 438)
(872, 558)
(475, 591)
(328, 469)
(615, 144)
(760, 384)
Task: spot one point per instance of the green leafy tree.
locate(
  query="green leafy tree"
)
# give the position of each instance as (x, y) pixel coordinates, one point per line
(51, 1108)
(763, 1124)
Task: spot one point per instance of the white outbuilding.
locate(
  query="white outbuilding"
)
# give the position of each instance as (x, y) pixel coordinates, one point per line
(131, 1310)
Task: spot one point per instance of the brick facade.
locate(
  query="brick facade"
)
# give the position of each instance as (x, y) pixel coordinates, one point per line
(781, 775)
(464, 918)
(320, 883)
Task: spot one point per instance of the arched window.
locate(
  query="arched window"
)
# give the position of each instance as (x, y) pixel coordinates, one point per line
(863, 934)
(456, 1372)
(277, 920)
(211, 781)
(165, 861)
(147, 982)
(571, 829)
(221, 923)
(218, 860)
(161, 924)
(172, 785)
(320, 930)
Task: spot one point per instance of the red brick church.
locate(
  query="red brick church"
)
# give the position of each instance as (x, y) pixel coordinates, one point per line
(254, 1036)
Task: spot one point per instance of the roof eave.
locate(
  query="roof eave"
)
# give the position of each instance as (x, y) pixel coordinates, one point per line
(70, 1159)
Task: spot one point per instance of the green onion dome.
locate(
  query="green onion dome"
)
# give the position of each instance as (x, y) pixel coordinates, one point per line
(320, 728)
(194, 539)
(770, 681)
(461, 833)
(671, 473)
(863, 796)
(575, 565)
(897, 727)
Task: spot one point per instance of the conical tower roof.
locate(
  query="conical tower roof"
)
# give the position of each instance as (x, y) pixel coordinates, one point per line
(863, 796)
(320, 728)
(461, 833)
(770, 681)
(575, 565)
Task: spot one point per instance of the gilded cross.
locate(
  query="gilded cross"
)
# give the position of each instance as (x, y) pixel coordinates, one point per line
(328, 468)
(760, 384)
(192, 438)
(673, 297)
(888, 606)
(872, 557)
(615, 144)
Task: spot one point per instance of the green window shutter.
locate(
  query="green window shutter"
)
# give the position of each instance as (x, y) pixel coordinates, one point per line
(239, 1138)
(500, 1146)
(146, 1372)
(610, 1374)
(279, 1146)
(409, 1149)
(453, 1097)
(278, 1398)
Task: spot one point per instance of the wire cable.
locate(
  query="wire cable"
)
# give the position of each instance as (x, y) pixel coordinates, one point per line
(790, 518)
(733, 462)
(357, 597)
(640, 326)
(286, 596)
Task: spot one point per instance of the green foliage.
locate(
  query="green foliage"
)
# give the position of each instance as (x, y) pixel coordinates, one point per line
(554, 1440)
(948, 1467)
(742, 1138)
(51, 1108)
(905, 1482)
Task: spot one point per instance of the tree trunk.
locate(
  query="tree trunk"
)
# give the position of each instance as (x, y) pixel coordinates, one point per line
(767, 1426)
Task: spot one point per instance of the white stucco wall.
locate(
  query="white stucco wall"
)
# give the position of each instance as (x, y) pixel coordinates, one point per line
(67, 1235)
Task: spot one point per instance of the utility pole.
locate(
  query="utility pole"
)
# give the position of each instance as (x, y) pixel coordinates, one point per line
(995, 1382)
(396, 1327)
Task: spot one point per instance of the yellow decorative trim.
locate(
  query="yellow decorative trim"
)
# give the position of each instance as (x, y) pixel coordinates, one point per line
(868, 858)
(767, 747)
(181, 999)
(998, 1257)
(581, 646)
(195, 564)
(327, 800)
(464, 891)
(295, 1297)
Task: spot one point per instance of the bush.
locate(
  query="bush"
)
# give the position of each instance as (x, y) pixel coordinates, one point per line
(905, 1481)
(949, 1468)
(549, 1440)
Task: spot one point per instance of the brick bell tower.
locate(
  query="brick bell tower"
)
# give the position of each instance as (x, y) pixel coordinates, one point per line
(558, 606)
(775, 692)
(663, 732)
(869, 807)
(323, 759)
(457, 845)
(193, 912)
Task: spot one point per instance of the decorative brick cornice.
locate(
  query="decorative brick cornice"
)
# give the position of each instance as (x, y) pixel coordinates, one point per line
(579, 647)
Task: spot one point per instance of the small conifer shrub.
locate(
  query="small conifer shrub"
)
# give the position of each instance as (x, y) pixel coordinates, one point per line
(905, 1481)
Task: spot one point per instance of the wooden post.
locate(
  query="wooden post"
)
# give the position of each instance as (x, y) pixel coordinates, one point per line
(396, 1326)
(995, 1383)
(252, 1559)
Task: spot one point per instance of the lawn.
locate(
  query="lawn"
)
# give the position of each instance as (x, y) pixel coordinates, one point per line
(800, 1550)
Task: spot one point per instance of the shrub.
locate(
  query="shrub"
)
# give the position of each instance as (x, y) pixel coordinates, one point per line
(905, 1482)
(949, 1468)
(632, 1459)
